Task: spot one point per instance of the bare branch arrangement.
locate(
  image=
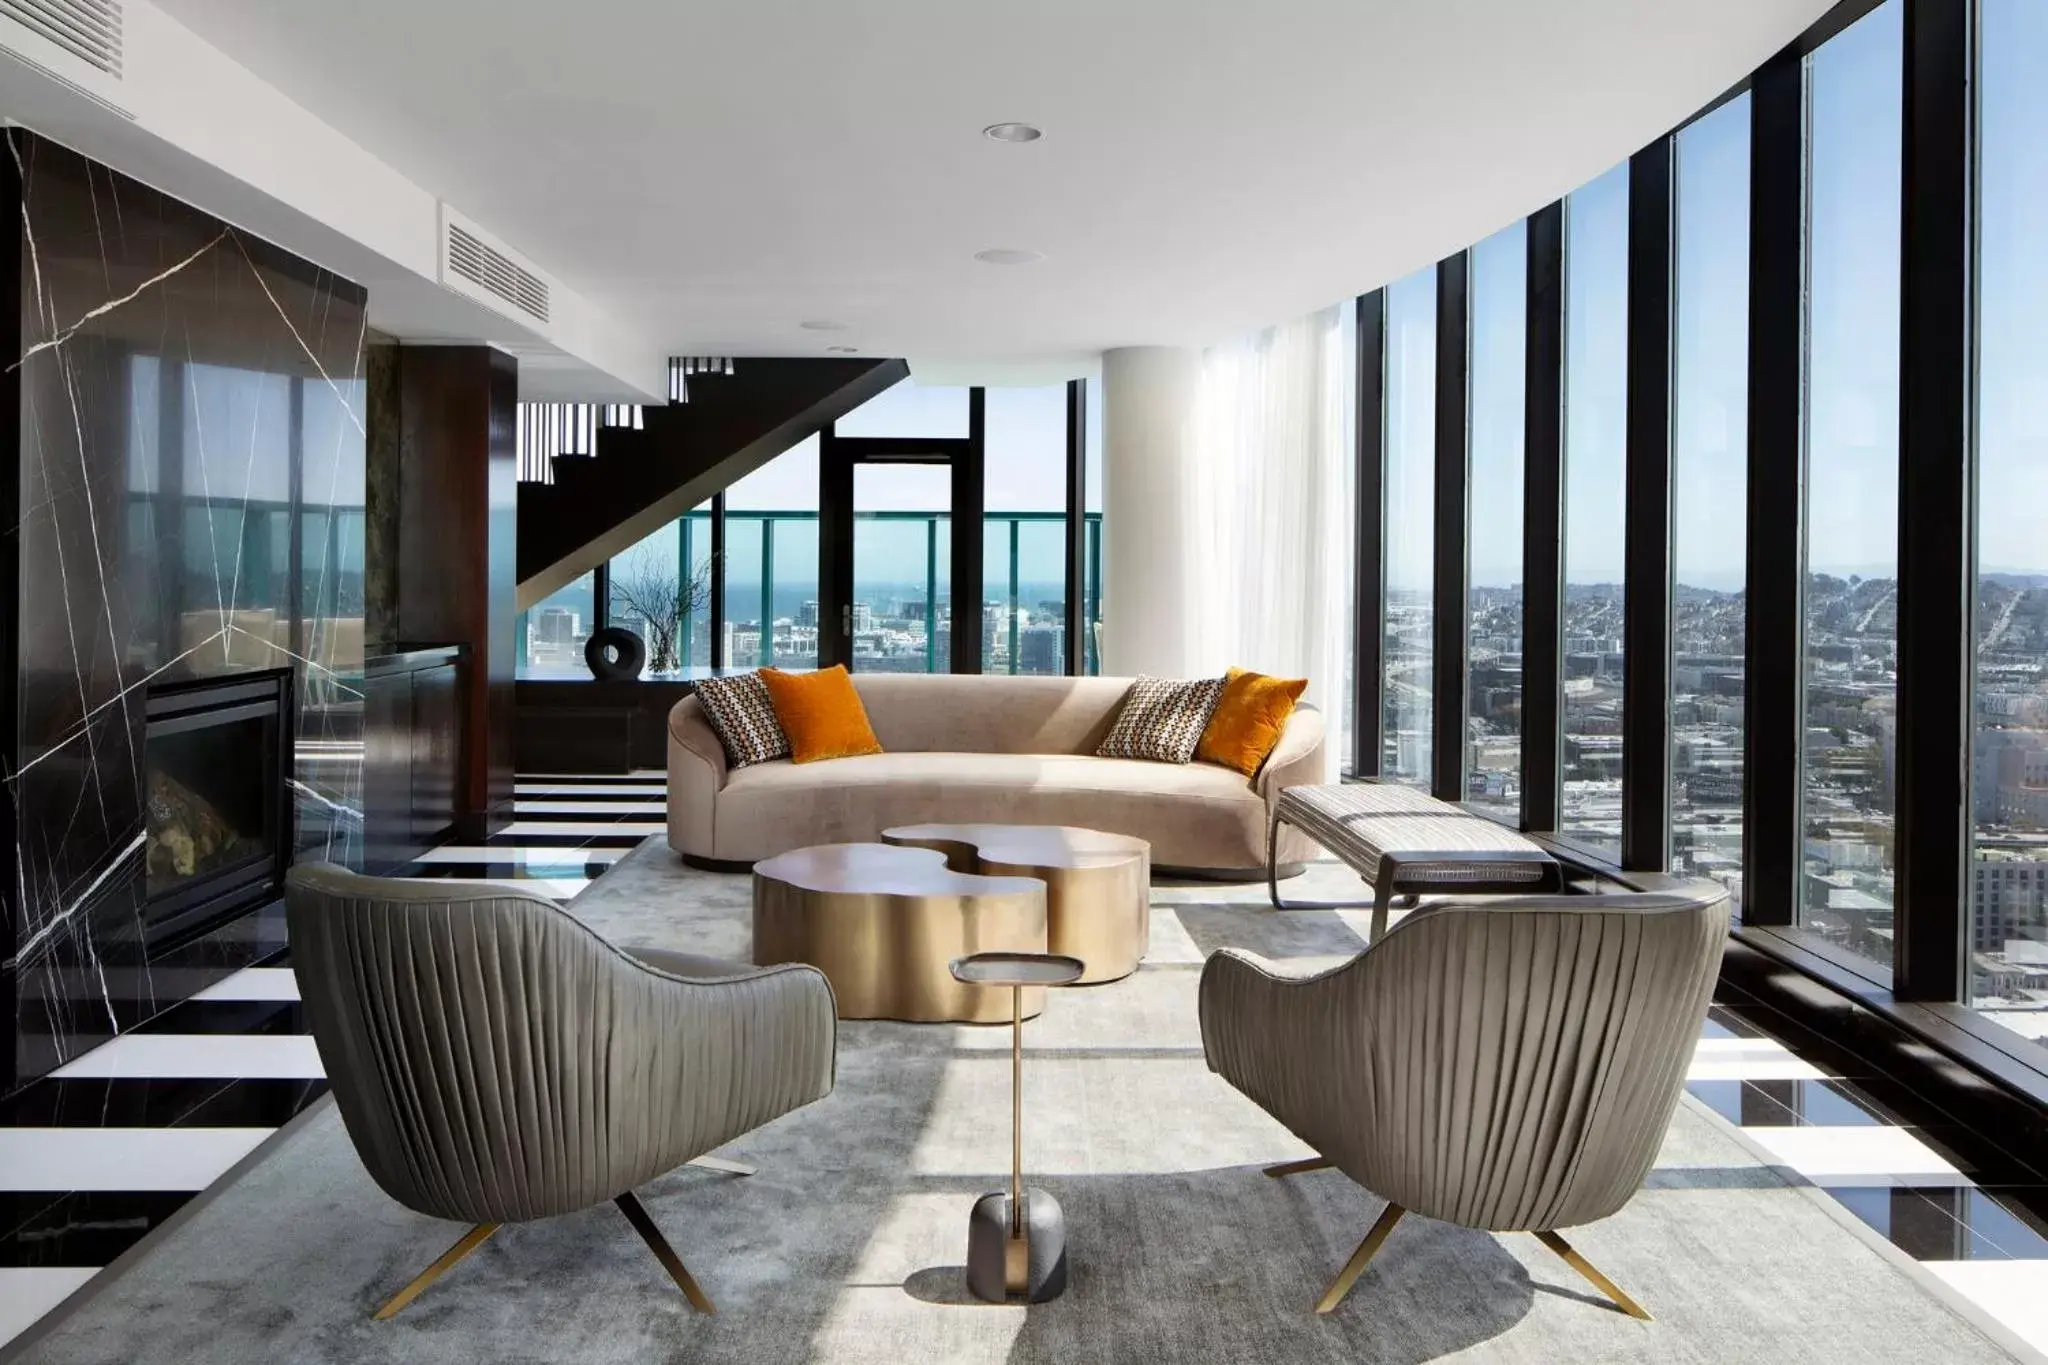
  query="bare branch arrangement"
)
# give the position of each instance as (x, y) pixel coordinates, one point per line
(650, 594)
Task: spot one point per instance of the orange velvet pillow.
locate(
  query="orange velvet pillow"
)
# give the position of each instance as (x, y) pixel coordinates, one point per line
(821, 714)
(1246, 723)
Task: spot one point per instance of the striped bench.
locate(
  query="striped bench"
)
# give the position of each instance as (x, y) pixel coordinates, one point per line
(1406, 842)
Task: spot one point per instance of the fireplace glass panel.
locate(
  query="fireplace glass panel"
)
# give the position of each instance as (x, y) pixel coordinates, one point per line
(211, 807)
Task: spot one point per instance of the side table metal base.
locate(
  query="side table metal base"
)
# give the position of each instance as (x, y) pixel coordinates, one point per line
(1001, 1268)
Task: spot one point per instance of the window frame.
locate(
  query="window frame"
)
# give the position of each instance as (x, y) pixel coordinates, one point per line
(1925, 989)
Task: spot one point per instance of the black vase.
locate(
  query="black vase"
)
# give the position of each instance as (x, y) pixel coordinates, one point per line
(615, 654)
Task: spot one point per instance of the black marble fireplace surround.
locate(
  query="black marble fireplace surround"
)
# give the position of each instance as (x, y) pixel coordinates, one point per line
(186, 483)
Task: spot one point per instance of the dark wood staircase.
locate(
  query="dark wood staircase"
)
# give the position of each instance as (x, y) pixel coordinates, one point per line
(638, 481)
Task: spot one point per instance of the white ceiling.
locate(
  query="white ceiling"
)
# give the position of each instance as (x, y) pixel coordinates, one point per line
(715, 173)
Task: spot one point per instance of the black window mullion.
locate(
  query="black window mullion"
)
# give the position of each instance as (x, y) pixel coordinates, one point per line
(1543, 519)
(1774, 666)
(1450, 611)
(1646, 533)
(1369, 568)
(835, 550)
(969, 492)
(718, 658)
(1931, 855)
(1076, 623)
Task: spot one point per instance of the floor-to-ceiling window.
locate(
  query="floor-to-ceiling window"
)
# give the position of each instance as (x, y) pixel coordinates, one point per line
(2008, 929)
(1852, 480)
(771, 562)
(1595, 469)
(1024, 535)
(551, 635)
(1784, 701)
(1091, 548)
(903, 595)
(650, 592)
(1410, 484)
(1709, 484)
(1499, 337)
(1342, 708)
(693, 631)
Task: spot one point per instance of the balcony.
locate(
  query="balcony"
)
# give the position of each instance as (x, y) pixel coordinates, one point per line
(902, 606)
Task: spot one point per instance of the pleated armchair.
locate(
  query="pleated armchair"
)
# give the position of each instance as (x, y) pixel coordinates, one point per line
(495, 1061)
(1510, 1066)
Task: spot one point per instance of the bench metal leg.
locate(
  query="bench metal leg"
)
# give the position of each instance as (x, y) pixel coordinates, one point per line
(1387, 896)
(1273, 877)
(1273, 862)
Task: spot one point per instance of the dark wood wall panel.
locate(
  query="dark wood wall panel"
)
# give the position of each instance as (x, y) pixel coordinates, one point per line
(412, 754)
(457, 527)
(496, 656)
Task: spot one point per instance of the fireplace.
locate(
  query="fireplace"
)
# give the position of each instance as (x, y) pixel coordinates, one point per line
(216, 808)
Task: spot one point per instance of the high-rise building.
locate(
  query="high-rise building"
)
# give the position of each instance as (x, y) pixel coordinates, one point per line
(1039, 650)
(556, 627)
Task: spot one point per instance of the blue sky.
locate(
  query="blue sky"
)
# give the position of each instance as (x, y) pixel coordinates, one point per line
(1026, 471)
(1853, 298)
(2012, 225)
(1853, 356)
(1027, 445)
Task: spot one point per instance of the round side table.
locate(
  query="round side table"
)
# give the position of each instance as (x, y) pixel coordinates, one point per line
(1017, 1238)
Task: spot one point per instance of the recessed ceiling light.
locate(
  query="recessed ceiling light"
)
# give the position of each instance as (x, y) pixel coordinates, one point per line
(822, 325)
(843, 350)
(1012, 132)
(1008, 255)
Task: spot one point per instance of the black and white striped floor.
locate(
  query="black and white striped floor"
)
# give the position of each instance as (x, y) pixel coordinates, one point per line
(103, 1151)
(95, 1156)
(565, 832)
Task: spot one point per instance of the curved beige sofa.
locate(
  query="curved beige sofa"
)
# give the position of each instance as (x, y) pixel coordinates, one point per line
(1014, 750)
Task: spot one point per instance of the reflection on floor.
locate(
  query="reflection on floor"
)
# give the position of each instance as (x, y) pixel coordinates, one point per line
(97, 1156)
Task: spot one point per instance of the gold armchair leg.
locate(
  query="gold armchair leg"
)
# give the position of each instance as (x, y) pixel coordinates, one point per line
(1586, 1268)
(471, 1240)
(663, 1252)
(1355, 1267)
(717, 1163)
(1313, 1163)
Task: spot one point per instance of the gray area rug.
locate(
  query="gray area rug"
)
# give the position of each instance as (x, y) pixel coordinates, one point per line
(847, 1247)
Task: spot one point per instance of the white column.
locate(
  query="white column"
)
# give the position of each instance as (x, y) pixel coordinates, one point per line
(1148, 433)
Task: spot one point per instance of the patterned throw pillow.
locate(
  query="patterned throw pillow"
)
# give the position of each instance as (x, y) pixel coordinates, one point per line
(1162, 719)
(744, 718)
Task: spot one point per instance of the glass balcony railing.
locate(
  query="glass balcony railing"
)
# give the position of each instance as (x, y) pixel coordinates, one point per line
(902, 599)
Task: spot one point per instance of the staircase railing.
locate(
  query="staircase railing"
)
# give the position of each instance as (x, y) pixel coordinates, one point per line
(546, 430)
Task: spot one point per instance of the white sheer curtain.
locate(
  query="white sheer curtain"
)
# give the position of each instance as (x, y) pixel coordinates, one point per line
(1269, 493)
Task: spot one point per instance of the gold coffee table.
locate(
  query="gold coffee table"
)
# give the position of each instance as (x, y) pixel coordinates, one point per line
(1098, 887)
(883, 922)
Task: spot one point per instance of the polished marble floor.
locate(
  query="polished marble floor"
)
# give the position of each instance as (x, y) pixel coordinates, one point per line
(97, 1156)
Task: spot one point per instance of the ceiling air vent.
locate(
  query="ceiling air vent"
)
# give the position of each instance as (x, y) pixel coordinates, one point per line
(76, 43)
(471, 264)
(89, 30)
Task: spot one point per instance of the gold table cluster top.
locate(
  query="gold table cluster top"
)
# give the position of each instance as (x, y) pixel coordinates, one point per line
(885, 921)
